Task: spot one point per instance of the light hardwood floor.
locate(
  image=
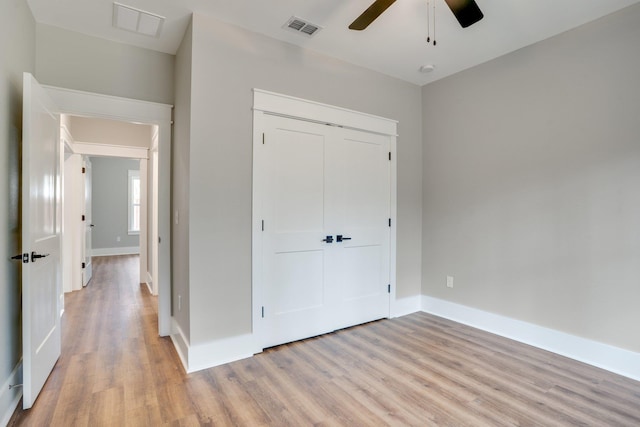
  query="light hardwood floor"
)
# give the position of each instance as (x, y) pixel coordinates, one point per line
(416, 370)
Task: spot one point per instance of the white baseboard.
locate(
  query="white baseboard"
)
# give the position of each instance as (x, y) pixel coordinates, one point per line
(404, 306)
(221, 351)
(129, 250)
(203, 356)
(149, 283)
(9, 398)
(180, 342)
(613, 359)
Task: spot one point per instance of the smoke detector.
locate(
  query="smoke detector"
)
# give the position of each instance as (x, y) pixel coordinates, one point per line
(301, 26)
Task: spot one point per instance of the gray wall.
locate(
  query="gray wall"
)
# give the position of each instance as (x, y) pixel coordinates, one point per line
(531, 174)
(17, 44)
(110, 199)
(227, 63)
(76, 61)
(180, 184)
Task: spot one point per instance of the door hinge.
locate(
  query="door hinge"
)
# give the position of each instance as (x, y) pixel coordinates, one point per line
(389, 222)
(263, 225)
(83, 217)
(263, 311)
(389, 288)
(389, 155)
(83, 265)
(84, 170)
(262, 138)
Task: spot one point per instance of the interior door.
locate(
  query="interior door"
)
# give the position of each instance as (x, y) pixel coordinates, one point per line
(87, 272)
(295, 255)
(326, 235)
(41, 273)
(360, 184)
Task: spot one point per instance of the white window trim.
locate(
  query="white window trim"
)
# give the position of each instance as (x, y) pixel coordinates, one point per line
(131, 175)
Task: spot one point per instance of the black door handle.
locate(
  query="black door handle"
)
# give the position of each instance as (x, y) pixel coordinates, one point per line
(328, 239)
(35, 256)
(340, 238)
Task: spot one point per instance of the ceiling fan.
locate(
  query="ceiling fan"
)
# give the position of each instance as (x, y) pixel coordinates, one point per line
(466, 12)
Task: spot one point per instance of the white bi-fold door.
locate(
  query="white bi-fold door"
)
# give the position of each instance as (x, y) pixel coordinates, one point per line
(326, 237)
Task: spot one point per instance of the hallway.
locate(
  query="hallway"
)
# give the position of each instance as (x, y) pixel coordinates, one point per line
(113, 365)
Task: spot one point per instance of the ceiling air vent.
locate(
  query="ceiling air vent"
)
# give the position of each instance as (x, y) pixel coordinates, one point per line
(301, 26)
(136, 20)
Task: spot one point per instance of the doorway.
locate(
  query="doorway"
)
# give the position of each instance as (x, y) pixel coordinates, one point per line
(158, 116)
(105, 198)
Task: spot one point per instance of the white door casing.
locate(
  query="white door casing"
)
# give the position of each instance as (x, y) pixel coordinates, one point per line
(310, 181)
(41, 223)
(87, 104)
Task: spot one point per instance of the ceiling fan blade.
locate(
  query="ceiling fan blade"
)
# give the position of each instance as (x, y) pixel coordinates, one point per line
(370, 15)
(466, 12)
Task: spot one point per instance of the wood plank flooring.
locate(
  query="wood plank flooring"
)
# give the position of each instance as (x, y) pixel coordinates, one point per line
(417, 370)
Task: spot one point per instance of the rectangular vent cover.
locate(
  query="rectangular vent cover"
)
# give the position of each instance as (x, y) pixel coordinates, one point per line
(301, 26)
(136, 20)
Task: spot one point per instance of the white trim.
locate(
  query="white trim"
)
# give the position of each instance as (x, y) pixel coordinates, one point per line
(149, 282)
(405, 306)
(133, 175)
(130, 110)
(219, 352)
(110, 107)
(127, 250)
(610, 358)
(96, 149)
(393, 233)
(214, 353)
(180, 342)
(9, 398)
(303, 109)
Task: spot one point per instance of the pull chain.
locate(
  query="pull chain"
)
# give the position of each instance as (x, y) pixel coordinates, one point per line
(428, 23)
(434, 22)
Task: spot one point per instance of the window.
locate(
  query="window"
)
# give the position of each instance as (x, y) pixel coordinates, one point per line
(134, 202)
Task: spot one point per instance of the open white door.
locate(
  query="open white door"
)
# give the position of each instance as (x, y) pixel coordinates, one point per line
(87, 271)
(41, 273)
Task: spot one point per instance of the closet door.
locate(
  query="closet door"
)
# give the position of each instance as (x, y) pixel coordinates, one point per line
(325, 251)
(295, 267)
(359, 187)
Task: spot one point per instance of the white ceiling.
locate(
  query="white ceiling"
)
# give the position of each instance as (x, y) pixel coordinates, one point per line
(395, 44)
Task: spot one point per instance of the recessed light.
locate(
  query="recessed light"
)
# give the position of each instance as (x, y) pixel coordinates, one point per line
(427, 68)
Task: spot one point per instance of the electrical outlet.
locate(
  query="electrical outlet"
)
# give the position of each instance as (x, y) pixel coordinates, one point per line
(117, 238)
(449, 281)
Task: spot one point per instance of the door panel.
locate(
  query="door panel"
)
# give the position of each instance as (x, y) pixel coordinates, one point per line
(41, 277)
(294, 254)
(364, 194)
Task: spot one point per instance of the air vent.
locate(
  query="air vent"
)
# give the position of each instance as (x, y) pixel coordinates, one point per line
(136, 20)
(301, 26)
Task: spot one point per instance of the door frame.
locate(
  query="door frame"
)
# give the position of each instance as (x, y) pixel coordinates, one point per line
(270, 103)
(79, 103)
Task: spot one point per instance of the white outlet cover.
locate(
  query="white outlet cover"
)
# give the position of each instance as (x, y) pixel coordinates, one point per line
(449, 281)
